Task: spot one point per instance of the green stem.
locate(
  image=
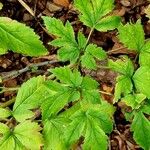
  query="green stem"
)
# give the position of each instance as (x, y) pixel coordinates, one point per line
(7, 103)
(8, 89)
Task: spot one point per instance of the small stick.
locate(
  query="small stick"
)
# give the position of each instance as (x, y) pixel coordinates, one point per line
(12, 74)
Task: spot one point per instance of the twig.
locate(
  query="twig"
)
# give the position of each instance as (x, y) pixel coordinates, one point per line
(106, 93)
(115, 50)
(12, 74)
(27, 7)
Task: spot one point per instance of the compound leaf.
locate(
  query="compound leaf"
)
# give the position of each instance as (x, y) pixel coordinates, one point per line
(26, 135)
(141, 128)
(30, 95)
(92, 52)
(123, 66)
(142, 80)
(92, 124)
(123, 87)
(19, 38)
(132, 36)
(53, 133)
(93, 14)
(65, 39)
(65, 75)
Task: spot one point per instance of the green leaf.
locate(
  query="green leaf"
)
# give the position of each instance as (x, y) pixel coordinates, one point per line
(95, 137)
(88, 61)
(53, 133)
(145, 108)
(141, 128)
(144, 57)
(123, 87)
(123, 66)
(90, 123)
(94, 14)
(142, 80)
(132, 36)
(108, 23)
(65, 75)
(81, 40)
(4, 113)
(134, 101)
(1, 6)
(92, 52)
(19, 38)
(74, 130)
(65, 39)
(90, 93)
(61, 96)
(30, 96)
(24, 136)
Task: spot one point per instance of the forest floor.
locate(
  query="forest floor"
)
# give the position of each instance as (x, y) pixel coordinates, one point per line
(14, 68)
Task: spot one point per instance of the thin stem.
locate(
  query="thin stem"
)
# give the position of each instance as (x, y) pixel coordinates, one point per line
(106, 93)
(115, 50)
(7, 103)
(89, 37)
(12, 74)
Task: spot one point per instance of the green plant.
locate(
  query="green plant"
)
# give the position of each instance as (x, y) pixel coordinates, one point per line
(72, 109)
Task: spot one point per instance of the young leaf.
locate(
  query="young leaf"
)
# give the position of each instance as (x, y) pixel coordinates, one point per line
(123, 87)
(53, 133)
(30, 95)
(19, 38)
(132, 36)
(142, 80)
(4, 113)
(66, 40)
(94, 14)
(141, 128)
(65, 75)
(92, 52)
(123, 66)
(24, 136)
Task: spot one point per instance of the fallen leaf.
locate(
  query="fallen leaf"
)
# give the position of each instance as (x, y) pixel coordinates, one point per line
(64, 3)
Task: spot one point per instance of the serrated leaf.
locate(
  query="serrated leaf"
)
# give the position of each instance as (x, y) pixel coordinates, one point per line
(19, 38)
(30, 95)
(132, 36)
(92, 52)
(123, 66)
(142, 80)
(145, 108)
(134, 101)
(81, 40)
(65, 75)
(90, 93)
(53, 133)
(25, 136)
(92, 13)
(4, 113)
(141, 128)
(108, 23)
(123, 87)
(66, 40)
(144, 56)
(88, 61)
(81, 126)
(62, 95)
(95, 137)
